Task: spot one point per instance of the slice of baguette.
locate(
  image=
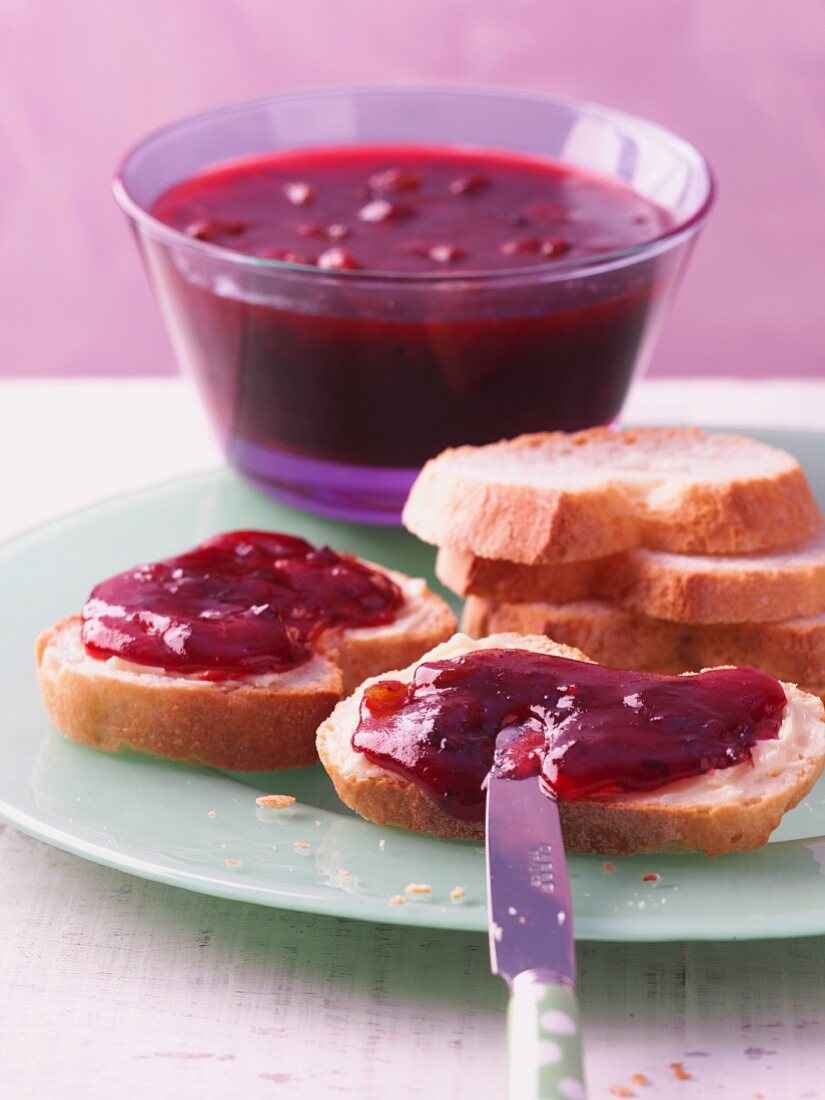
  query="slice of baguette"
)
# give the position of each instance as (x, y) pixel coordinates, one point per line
(257, 723)
(558, 497)
(468, 575)
(688, 588)
(727, 810)
(790, 650)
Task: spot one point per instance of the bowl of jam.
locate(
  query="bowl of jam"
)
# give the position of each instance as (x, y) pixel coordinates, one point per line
(357, 279)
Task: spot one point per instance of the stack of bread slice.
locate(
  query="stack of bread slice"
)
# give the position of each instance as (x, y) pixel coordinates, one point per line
(668, 550)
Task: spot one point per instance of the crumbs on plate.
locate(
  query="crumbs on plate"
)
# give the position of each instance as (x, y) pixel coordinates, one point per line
(277, 808)
(679, 1072)
(275, 801)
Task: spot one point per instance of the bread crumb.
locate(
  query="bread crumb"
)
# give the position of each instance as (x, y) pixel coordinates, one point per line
(233, 863)
(275, 809)
(640, 1079)
(457, 893)
(212, 813)
(397, 899)
(418, 888)
(275, 801)
(608, 866)
(679, 1072)
(382, 844)
(652, 877)
(301, 845)
(621, 1090)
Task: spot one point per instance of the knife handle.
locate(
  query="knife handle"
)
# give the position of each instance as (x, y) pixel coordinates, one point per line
(544, 1040)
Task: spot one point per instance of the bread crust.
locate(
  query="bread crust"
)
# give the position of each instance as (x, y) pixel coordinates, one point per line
(702, 593)
(530, 522)
(516, 522)
(391, 800)
(793, 650)
(222, 725)
(741, 518)
(605, 826)
(234, 725)
(681, 588)
(466, 574)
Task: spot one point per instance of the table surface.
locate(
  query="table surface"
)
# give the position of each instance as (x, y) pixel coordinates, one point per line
(111, 985)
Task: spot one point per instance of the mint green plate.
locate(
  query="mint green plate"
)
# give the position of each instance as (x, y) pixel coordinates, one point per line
(199, 829)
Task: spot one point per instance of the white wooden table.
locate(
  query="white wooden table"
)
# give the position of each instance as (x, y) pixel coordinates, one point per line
(113, 986)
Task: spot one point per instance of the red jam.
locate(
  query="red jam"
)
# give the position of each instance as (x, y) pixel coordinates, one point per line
(591, 731)
(239, 604)
(383, 374)
(408, 209)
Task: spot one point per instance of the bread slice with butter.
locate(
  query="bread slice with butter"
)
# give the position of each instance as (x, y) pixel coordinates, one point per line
(720, 811)
(251, 723)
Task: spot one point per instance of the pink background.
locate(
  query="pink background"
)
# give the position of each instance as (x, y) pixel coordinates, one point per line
(81, 80)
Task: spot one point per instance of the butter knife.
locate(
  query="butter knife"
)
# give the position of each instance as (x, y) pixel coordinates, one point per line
(531, 939)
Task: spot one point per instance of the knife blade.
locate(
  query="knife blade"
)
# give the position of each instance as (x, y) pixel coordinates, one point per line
(531, 938)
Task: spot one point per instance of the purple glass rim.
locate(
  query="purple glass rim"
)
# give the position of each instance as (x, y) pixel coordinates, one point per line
(559, 269)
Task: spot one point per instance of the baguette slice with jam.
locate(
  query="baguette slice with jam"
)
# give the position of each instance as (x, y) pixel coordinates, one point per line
(241, 717)
(721, 810)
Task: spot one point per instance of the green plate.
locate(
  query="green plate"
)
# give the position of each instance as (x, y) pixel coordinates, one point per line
(198, 828)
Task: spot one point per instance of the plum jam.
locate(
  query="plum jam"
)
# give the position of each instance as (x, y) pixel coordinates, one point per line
(591, 731)
(425, 297)
(420, 210)
(240, 604)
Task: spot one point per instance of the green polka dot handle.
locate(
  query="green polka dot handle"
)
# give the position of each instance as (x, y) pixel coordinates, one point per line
(545, 1041)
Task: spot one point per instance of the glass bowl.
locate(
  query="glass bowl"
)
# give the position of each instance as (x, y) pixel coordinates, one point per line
(331, 389)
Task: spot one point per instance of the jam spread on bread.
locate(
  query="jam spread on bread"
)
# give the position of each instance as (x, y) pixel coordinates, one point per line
(318, 361)
(590, 731)
(240, 604)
